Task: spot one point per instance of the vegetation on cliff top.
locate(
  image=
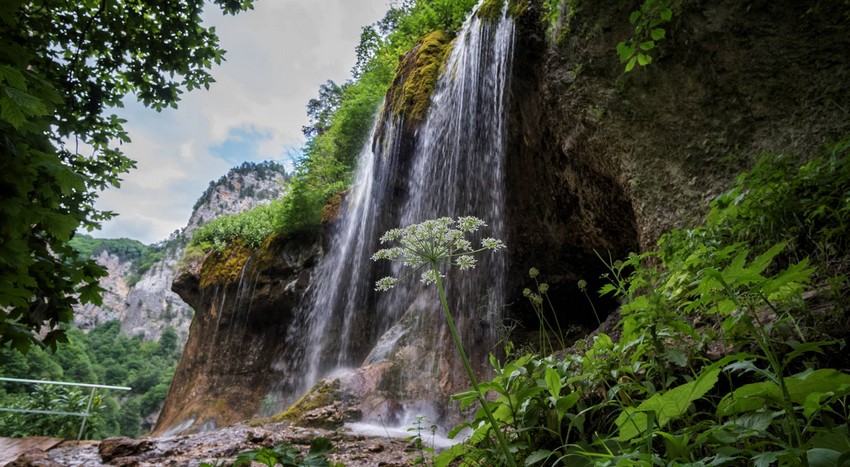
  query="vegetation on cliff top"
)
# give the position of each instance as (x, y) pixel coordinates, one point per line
(141, 257)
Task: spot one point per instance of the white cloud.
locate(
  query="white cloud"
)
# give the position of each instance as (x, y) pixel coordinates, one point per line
(277, 56)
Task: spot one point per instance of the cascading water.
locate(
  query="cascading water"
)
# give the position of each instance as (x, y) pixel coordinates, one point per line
(456, 169)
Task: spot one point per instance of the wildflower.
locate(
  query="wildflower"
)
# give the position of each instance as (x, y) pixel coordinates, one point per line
(433, 243)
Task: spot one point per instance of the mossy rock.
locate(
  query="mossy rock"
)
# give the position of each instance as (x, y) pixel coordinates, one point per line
(225, 268)
(517, 8)
(417, 77)
(490, 10)
(324, 393)
(331, 209)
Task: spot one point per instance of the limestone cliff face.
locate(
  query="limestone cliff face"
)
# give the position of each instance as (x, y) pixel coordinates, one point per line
(243, 301)
(114, 299)
(599, 163)
(150, 305)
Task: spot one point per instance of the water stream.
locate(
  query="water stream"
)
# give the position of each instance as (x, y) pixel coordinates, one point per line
(456, 168)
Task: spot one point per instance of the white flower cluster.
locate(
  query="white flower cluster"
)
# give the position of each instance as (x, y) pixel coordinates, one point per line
(431, 243)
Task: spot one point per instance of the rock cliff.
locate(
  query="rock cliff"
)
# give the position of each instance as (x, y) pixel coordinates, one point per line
(244, 301)
(599, 163)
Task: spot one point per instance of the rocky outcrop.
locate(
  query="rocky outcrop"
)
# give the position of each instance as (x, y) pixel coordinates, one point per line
(239, 190)
(117, 288)
(243, 301)
(151, 306)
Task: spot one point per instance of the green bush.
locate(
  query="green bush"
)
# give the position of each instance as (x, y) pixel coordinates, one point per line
(717, 356)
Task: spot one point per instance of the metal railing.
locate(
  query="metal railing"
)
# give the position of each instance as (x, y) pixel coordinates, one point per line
(85, 415)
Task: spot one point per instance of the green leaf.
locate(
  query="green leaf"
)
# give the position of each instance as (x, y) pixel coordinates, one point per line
(538, 456)
(751, 397)
(837, 439)
(11, 113)
(631, 64)
(644, 60)
(766, 459)
(666, 406)
(798, 273)
(625, 50)
(634, 17)
(13, 77)
(29, 104)
(820, 457)
(813, 404)
(566, 403)
(676, 357)
(445, 458)
(658, 34)
(553, 383)
(606, 289)
(647, 45)
(666, 14)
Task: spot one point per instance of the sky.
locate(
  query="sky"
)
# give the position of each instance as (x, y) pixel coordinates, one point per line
(277, 56)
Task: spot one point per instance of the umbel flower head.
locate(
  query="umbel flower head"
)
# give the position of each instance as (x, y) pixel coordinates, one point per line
(430, 244)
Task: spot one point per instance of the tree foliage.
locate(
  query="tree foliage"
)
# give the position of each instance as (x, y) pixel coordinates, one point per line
(103, 356)
(63, 64)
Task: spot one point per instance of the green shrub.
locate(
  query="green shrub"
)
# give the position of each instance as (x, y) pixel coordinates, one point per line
(663, 393)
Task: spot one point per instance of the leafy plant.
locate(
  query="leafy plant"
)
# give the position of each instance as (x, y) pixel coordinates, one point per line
(287, 456)
(52, 398)
(537, 299)
(424, 452)
(648, 21)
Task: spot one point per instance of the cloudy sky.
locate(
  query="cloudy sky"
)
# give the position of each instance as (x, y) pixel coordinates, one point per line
(277, 56)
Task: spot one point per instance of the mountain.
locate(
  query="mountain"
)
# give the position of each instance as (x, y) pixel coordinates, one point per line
(138, 286)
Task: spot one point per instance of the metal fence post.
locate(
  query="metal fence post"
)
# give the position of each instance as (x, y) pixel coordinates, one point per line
(86, 416)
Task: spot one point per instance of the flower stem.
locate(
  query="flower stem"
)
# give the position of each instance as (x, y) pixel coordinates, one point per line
(468, 367)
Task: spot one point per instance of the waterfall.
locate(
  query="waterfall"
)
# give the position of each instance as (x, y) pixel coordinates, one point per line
(456, 168)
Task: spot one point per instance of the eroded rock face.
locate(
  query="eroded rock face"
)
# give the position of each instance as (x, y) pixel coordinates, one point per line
(145, 304)
(114, 299)
(243, 304)
(605, 161)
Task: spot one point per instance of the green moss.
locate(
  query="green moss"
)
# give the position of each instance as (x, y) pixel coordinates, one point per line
(417, 78)
(491, 10)
(225, 268)
(517, 8)
(321, 395)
